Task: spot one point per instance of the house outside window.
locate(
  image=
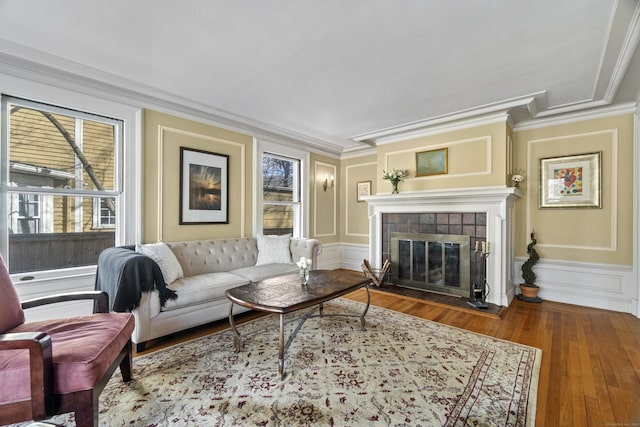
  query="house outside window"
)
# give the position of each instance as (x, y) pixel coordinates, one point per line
(280, 194)
(62, 186)
(282, 207)
(104, 213)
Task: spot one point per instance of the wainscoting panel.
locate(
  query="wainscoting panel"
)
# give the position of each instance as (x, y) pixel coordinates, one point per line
(603, 286)
(342, 255)
(329, 257)
(353, 254)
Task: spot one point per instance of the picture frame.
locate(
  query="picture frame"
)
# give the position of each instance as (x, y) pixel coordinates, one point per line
(432, 162)
(204, 187)
(571, 181)
(363, 188)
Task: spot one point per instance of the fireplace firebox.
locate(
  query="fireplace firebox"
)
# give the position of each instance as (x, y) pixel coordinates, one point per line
(434, 262)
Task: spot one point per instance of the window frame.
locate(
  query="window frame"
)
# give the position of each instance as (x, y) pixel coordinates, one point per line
(128, 173)
(262, 147)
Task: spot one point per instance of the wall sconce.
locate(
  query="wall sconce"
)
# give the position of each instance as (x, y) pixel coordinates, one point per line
(326, 184)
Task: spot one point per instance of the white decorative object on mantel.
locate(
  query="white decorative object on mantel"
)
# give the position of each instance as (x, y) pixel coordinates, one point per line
(497, 202)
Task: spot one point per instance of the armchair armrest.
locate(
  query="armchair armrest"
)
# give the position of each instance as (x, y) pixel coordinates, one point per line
(100, 299)
(40, 364)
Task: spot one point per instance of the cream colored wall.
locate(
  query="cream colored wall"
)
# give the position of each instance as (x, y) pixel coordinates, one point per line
(354, 218)
(579, 234)
(476, 157)
(163, 137)
(324, 205)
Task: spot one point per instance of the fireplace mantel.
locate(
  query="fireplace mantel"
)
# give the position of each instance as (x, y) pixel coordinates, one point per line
(497, 202)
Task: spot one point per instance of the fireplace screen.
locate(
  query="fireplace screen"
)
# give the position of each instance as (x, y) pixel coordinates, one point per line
(438, 262)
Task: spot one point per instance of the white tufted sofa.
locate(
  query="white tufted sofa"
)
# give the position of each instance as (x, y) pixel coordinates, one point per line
(210, 268)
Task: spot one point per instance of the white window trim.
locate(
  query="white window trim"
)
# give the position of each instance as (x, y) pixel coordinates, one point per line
(262, 146)
(129, 210)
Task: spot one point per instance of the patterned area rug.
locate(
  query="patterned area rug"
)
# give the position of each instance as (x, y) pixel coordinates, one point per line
(400, 371)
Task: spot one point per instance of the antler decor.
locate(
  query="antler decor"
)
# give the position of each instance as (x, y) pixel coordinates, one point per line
(370, 272)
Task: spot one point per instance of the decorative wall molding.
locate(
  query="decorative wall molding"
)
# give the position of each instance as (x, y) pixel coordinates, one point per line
(487, 139)
(604, 286)
(348, 201)
(243, 185)
(612, 178)
(316, 188)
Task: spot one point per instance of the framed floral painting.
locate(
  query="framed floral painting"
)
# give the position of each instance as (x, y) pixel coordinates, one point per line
(571, 181)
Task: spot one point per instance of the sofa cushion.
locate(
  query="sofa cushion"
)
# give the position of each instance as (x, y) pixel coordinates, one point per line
(202, 288)
(267, 271)
(164, 257)
(274, 249)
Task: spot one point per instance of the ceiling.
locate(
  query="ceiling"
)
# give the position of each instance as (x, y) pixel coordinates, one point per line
(339, 75)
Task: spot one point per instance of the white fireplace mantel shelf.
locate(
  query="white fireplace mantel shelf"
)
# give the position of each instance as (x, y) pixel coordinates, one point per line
(497, 202)
(453, 195)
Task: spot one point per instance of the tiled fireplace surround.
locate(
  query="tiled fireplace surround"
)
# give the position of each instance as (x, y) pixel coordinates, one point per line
(472, 224)
(451, 212)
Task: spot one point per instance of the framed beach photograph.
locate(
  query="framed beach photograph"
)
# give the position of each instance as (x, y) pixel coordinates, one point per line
(432, 162)
(363, 189)
(571, 181)
(204, 187)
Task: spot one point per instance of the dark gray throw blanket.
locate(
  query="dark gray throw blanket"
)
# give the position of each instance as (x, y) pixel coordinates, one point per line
(124, 274)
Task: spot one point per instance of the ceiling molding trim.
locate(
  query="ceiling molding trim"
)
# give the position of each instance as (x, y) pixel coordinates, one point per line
(612, 110)
(107, 86)
(627, 51)
(501, 117)
(460, 119)
(351, 154)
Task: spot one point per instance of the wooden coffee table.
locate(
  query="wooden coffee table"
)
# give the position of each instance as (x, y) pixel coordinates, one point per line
(286, 294)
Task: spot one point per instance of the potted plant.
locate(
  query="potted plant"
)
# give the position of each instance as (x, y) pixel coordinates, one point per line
(529, 288)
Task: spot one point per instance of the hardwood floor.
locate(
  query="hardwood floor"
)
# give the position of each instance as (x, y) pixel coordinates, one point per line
(590, 372)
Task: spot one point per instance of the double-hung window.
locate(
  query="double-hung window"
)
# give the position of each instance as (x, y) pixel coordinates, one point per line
(282, 207)
(60, 185)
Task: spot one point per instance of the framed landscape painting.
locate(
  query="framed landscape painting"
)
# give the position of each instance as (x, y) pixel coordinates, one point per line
(204, 187)
(432, 162)
(571, 181)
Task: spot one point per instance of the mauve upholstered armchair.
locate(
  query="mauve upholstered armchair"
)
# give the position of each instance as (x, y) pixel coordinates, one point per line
(57, 366)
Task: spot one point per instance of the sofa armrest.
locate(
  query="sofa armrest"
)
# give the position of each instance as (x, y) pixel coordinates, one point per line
(308, 248)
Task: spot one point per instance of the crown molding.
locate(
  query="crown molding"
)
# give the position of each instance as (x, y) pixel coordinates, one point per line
(484, 114)
(33, 65)
(578, 116)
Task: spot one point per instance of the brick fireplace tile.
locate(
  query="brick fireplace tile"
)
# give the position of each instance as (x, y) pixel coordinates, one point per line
(428, 218)
(443, 218)
(469, 230)
(469, 218)
(455, 218)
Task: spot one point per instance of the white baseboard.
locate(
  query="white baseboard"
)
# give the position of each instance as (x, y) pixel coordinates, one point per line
(606, 286)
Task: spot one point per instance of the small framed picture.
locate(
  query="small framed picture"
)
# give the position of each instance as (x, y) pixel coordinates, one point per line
(363, 189)
(432, 162)
(204, 187)
(571, 181)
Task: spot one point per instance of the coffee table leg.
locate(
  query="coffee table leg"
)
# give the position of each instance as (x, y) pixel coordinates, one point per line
(281, 348)
(237, 342)
(366, 308)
